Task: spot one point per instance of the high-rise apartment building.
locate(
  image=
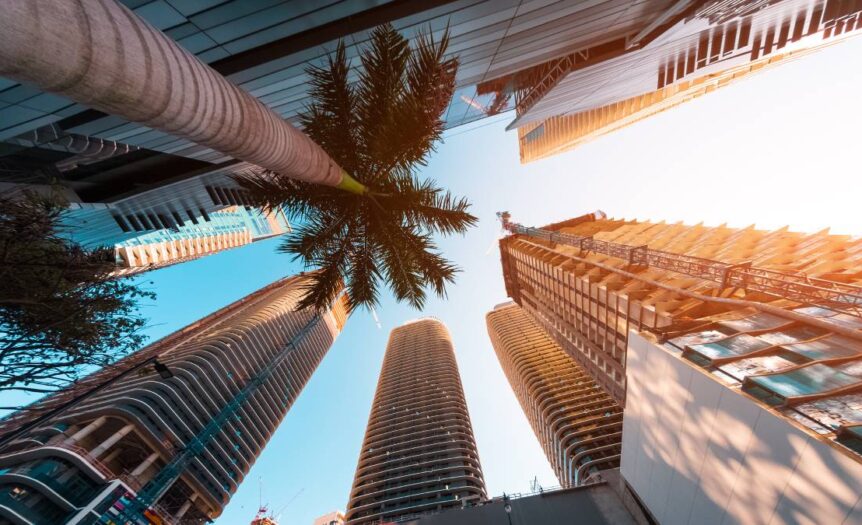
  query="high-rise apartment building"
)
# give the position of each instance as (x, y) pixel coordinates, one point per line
(179, 238)
(590, 280)
(578, 425)
(177, 222)
(419, 455)
(173, 445)
(666, 56)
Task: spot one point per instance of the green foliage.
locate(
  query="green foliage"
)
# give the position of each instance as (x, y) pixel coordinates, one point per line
(380, 130)
(61, 313)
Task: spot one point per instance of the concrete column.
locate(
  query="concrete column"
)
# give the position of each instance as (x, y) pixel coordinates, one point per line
(86, 431)
(114, 453)
(145, 464)
(108, 443)
(185, 508)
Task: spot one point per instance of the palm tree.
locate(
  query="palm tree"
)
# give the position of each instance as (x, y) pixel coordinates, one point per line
(381, 130)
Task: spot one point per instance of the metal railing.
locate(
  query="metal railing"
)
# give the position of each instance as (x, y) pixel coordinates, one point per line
(797, 287)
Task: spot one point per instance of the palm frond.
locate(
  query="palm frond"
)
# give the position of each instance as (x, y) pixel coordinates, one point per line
(363, 287)
(381, 129)
(330, 120)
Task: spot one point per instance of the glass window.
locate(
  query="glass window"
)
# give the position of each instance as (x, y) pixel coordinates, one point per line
(810, 380)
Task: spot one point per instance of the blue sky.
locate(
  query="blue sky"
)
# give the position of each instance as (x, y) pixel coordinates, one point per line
(780, 148)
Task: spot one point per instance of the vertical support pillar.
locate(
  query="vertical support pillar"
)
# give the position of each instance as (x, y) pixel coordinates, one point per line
(145, 464)
(114, 453)
(185, 507)
(86, 431)
(108, 443)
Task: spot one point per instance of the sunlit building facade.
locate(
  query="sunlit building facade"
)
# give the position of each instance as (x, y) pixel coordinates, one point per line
(669, 54)
(191, 237)
(757, 419)
(740, 352)
(184, 220)
(241, 367)
(419, 455)
(590, 280)
(578, 425)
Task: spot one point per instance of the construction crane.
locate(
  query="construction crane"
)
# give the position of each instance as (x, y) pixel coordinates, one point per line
(139, 506)
(797, 287)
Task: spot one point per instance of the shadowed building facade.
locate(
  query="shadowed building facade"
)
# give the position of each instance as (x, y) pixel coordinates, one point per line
(419, 455)
(590, 280)
(578, 425)
(241, 367)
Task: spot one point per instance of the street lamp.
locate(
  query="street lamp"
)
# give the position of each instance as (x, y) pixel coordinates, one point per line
(162, 369)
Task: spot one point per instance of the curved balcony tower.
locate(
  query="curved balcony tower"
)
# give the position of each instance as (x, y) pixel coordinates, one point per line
(578, 425)
(232, 377)
(419, 455)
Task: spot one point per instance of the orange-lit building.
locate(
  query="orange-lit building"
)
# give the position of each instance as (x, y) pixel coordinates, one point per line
(578, 425)
(419, 455)
(736, 354)
(590, 280)
(667, 58)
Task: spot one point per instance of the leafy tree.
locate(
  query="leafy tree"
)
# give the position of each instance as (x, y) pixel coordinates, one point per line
(61, 313)
(380, 130)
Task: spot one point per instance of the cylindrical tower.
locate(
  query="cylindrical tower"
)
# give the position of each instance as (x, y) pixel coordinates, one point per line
(577, 423)
(419, 455)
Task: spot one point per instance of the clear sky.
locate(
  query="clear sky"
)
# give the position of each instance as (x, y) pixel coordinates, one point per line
(780, 148)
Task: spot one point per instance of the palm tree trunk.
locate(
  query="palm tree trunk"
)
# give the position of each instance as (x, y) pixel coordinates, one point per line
(102, 55)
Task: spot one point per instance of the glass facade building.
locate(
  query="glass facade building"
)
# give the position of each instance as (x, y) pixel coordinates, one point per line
(419, 455)
(145, 241)
(265, 47)
(242, 366)
(668, 54)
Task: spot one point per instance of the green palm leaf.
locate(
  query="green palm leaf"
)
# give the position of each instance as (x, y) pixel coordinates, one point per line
(381, 130)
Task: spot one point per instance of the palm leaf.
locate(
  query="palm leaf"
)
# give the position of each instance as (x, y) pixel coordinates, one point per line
(382, 129)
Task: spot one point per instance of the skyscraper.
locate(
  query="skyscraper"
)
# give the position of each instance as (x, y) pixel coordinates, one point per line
(756, 418)
(264, 48)
(578, 425)
(590, 280)
(740, 352)
(419, 455)
(664, 56)
(184, 240)
(176, 444)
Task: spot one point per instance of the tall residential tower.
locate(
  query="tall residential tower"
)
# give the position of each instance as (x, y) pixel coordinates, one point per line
(175, 444)
(579, 426)
(419, 455)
